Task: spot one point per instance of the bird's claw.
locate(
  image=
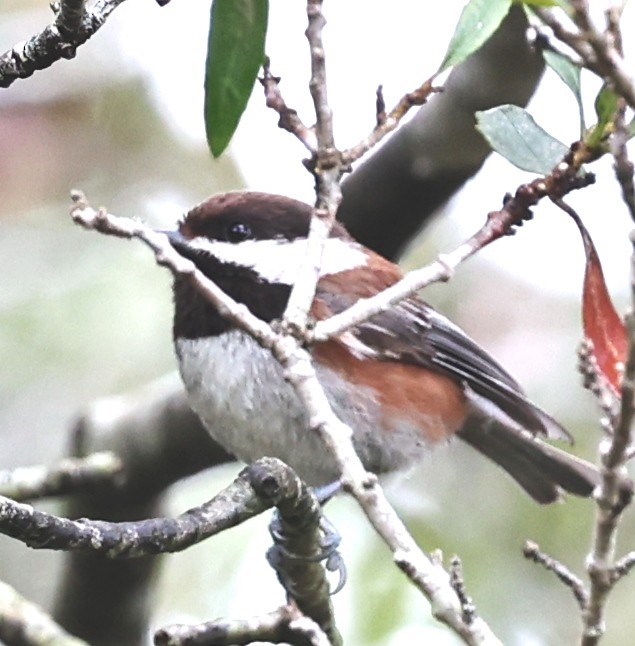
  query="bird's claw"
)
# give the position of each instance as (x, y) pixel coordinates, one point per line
(328, 550)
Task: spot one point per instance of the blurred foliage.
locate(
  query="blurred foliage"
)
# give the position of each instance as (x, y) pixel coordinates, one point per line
(81, 315)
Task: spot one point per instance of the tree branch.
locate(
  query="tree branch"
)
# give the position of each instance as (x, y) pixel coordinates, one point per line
(39, 530)
(596, 48)
(23, 622)
(69, 16)
(266, 483)
(563, 179)
(533, 552)
(394, 193)
(68, 476)
(160, 441)
(284, 625)
(387, 123)
(327, 170)
(289, 119)
(426, 574)
(72, 27)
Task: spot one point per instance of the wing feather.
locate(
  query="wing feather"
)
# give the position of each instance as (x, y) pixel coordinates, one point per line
(415, 333)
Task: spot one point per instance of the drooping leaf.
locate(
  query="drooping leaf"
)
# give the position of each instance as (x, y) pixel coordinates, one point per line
(569, 72)
(478, 21)
(601, 323)
(513, 133)
(605, 107)
(235, 52)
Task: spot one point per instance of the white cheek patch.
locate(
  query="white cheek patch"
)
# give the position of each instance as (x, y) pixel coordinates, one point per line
(278, 261)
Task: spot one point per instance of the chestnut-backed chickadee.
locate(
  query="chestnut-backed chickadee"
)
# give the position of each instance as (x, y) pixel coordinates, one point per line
(404, 381)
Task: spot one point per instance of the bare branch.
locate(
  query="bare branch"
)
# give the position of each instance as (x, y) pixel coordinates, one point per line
(598, 50)
(69, 16)
(284, 625)
(595, 382)
(22, 622)
(166, 256)
(614, 494)
(622, 164)
(563, 179)
(68, 476)
(72, 27)
(317, 84)
(266, 483)
(289, 119)
(386, 123)
(533, 552)
(327, 169)
(235, 504)
(623, 566)
(298, 549)
(458, 584)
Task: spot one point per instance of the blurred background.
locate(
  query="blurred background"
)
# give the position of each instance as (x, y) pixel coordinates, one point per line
(83, 316)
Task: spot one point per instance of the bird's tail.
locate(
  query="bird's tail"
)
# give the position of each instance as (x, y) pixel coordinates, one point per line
(541, 469)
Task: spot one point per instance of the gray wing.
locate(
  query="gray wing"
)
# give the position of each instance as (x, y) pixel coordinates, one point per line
(415, 333)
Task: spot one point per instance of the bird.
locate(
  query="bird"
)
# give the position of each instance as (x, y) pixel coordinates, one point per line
(405, 380)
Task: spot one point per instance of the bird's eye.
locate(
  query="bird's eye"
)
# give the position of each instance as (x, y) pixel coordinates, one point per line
(238, 231)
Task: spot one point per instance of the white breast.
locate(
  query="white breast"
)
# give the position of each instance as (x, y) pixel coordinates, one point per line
(239, 392)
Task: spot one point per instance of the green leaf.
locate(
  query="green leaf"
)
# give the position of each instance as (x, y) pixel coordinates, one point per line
(537, 3)
(479, 20)
(565, 68)
(605, 107)
(569, 73)
(235, 52)
(513, 133)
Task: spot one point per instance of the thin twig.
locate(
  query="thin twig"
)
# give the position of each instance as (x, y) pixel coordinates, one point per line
(327, 170)
(622, 165)
(533, 552)
(386, 123)
(595, 48)
(84, 215)
(317, 84)
(623, 566)
(563, 179)
(458, 584)
(289, 119)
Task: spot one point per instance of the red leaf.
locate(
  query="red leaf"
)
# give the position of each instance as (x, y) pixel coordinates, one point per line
(602, 324)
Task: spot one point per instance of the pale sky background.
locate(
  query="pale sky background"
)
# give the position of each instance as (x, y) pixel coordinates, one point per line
(368, 43)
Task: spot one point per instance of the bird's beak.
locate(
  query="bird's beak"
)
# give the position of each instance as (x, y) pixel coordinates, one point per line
(176, 238)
